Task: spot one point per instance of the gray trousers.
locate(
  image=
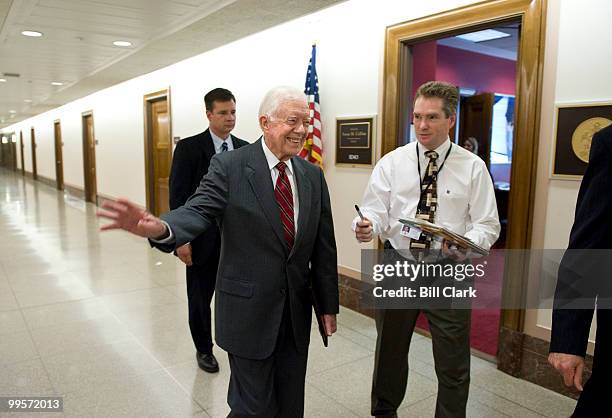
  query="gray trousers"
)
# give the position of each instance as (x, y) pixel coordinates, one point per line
(450, 332)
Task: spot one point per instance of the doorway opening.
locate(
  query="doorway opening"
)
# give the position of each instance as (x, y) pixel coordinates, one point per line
(158, 150)
(21, 149)
(476, 119)
(89, 157)
(33, 145)
(8, 151)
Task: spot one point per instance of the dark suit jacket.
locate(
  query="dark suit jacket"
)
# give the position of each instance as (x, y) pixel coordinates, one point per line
(585, 268)
(190, 163)
(257, 273)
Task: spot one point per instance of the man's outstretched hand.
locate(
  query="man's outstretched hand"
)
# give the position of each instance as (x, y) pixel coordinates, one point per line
(130, 217)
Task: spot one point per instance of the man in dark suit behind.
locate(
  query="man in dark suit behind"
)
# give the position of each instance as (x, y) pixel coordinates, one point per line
(584, 275)
(201, 256)
(277, 250)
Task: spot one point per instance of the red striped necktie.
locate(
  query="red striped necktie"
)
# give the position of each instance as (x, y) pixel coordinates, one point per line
(284, 198)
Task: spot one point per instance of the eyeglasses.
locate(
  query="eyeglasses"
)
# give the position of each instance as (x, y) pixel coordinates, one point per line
(292, 121)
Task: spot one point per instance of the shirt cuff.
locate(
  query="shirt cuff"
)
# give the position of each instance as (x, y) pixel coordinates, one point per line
(169, 239)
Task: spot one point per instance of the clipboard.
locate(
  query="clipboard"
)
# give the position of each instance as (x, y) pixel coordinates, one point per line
(444, 233)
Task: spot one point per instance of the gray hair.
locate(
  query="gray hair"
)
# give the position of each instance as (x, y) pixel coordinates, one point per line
(276, 96)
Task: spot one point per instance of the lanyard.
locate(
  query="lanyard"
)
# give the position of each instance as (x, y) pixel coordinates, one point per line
(434, 178)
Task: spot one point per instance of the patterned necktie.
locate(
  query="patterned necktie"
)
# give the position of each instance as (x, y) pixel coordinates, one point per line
(284, 199)
(224, 146)
(428, 203)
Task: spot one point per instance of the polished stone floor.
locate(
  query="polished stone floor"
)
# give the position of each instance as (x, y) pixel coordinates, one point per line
(101, 319)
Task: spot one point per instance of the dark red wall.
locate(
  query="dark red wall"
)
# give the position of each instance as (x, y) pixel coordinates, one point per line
(476, 71)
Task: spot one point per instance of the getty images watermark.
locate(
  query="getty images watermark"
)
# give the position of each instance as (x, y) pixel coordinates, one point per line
(574, 279)
(412, 271)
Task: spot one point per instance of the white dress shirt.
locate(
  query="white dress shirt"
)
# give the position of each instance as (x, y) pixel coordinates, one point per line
(466, 199)
(218, 142)
(272, 162)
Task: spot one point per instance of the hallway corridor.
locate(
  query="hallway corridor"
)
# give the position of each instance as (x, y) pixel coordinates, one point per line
(101, 319)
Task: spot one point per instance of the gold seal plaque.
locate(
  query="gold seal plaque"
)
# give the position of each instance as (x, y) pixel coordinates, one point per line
(583, 135)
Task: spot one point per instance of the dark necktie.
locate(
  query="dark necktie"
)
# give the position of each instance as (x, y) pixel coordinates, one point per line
(428, 203)
(284, 198)
(224, 146)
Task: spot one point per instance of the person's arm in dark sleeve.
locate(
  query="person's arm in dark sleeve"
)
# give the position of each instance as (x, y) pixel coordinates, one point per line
(324, 262)
(577, 286)
(201, 209)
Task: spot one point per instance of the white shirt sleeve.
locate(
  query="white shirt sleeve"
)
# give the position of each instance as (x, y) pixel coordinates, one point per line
(167, 240)
(482, 209)
(375, 204)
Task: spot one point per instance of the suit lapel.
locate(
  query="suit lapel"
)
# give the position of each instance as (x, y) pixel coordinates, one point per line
(207, 144)
(235, 142)
(304, 199)
(258, 174)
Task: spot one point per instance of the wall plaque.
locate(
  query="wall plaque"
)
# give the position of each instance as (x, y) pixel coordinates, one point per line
(354, 141)
(576, 125)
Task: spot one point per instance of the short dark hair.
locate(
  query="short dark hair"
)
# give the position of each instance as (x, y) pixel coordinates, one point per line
(217, 95)
(442, 90)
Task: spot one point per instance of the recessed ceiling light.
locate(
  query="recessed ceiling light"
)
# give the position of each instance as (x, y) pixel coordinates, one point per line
(57, 83)
(32, 33)
(483, 35)
(28, 100)
(2, 80)
(12, 111)
(122, 43)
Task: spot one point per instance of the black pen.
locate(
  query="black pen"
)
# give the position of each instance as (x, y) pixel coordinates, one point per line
(359, 213)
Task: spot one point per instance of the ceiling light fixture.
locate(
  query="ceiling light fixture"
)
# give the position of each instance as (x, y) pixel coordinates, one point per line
(57, 83)
(2, 80)
(483, 35)
(122, 43)
(12, 111)
(27, 100)
(31, 33)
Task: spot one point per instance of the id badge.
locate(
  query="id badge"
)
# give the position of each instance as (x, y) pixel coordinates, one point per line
(410, 232)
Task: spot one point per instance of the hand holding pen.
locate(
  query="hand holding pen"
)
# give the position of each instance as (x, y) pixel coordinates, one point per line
(363, 228)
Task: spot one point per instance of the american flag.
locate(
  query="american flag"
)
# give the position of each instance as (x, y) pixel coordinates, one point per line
(313, 146)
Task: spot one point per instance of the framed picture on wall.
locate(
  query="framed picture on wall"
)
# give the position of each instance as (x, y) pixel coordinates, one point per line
(576, 123)
(355, 141)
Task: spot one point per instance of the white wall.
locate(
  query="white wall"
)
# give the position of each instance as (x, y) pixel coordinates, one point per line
(350, 42)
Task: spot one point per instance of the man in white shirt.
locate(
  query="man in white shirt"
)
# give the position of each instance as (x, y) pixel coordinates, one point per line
(434, 180)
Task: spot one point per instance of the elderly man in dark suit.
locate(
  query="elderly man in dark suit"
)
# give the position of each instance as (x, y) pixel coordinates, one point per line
(189, 164)
(584, 277)
(277, 251)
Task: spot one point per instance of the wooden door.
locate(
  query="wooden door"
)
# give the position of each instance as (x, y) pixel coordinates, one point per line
(159, 151)
(59, 159)
(476, 123)
(21, 147)
(4, 151)
(13, 140)
(89, 158)
(33, 144)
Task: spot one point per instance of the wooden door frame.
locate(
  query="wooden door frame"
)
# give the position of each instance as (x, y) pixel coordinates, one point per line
(532, 14)
(59, 176)
(21, 148)
(147, 101)
(92, 182)
(33, 145)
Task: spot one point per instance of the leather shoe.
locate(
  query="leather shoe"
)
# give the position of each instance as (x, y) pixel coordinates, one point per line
(207, 362)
